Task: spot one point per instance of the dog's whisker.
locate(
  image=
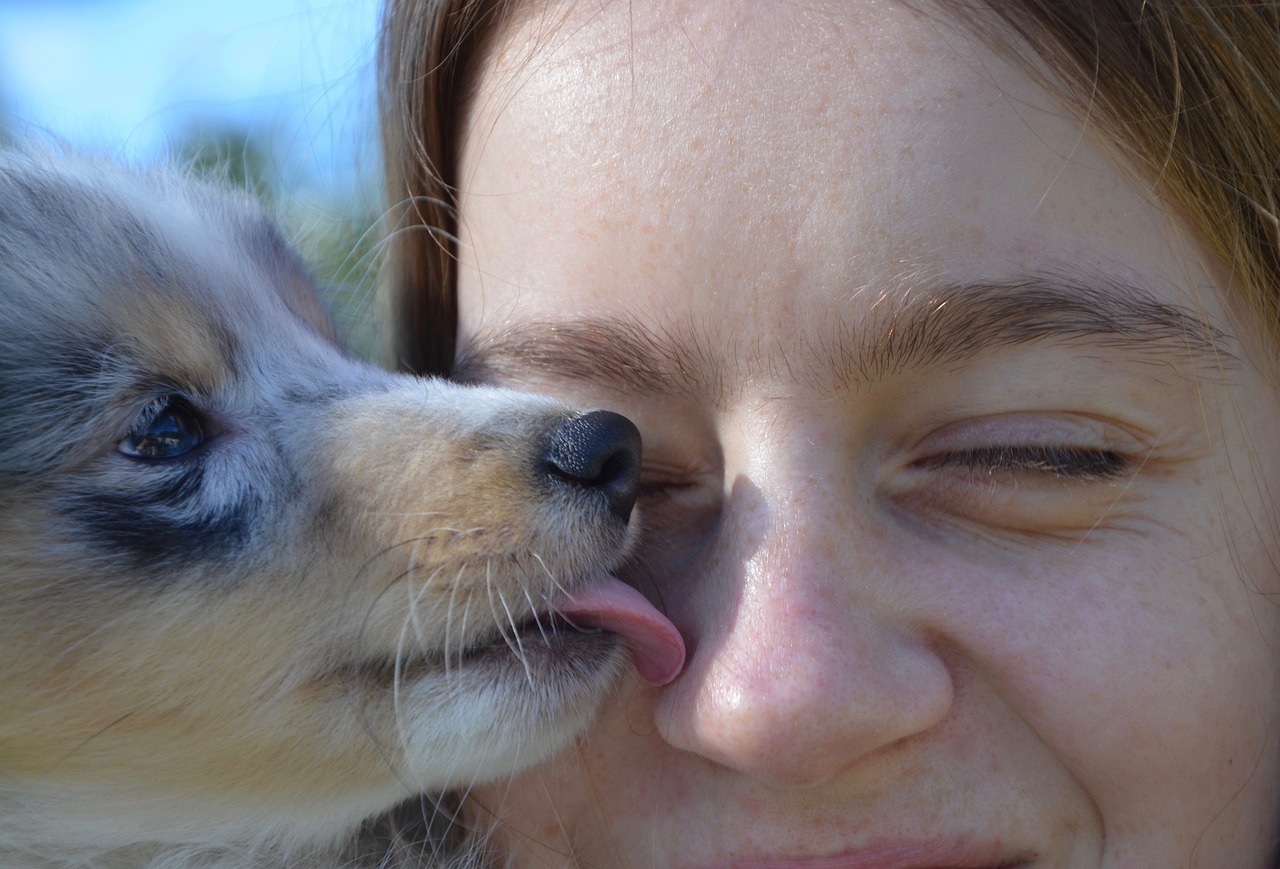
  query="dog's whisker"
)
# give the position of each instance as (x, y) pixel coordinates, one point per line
(226, 537)
(450, 631)
(415, 605)
(491, 595)
(551, 576)
(397, 682)
(503, 621)
(537, 617)
(426, 536)
(466, 615)
(515, 632)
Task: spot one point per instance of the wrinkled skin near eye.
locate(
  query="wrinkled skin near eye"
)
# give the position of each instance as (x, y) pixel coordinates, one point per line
(950, 449)
(166, 429)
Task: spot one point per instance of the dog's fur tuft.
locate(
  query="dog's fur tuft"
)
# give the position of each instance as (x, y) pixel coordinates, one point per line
(254, 593)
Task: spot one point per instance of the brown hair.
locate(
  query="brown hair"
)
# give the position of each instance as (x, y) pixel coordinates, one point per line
(424, 55)
(1188, 89)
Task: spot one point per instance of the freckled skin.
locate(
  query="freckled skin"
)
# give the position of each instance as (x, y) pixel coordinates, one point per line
(902, 627)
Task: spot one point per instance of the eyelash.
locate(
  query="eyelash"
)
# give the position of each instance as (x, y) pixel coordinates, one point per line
(661, 488)
(1068, 463)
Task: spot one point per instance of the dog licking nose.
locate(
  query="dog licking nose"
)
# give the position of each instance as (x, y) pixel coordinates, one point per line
(265, 604)
(599, 453)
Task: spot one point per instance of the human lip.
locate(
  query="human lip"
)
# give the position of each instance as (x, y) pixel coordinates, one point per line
(903, 855)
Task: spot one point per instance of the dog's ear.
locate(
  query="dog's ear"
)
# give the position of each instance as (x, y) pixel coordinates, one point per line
(291, 280)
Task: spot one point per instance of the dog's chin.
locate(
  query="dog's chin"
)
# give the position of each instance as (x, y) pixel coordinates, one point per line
(500, 705)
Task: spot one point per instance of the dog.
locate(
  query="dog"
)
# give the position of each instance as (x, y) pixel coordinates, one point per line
(262, 603)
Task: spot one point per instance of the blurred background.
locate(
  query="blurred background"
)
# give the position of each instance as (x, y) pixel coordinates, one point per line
(277, 96)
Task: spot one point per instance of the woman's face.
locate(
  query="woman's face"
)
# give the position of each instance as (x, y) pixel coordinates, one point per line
(956, 480)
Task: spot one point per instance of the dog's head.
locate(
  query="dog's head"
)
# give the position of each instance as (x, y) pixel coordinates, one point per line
(247, 582)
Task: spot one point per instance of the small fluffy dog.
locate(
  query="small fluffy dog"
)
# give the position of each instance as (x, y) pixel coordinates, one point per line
(255, 593)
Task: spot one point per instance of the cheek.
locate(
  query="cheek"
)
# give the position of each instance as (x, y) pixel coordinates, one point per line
(587, 799)
(1152, 683)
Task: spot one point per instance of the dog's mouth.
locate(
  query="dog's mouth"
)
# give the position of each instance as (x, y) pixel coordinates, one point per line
(611, 606)
(589, 620)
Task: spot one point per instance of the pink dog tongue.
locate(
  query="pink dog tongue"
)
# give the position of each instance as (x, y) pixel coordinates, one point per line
(657, 649)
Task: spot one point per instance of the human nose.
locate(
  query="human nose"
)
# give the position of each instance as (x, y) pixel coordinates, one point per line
(805, 661)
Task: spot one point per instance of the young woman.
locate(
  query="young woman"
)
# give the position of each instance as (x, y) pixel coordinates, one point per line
(951, 332)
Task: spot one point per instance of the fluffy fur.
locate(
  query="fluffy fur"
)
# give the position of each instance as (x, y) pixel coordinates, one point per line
(255, 595)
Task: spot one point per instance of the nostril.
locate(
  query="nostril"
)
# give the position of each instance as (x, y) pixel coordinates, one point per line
(598, 452)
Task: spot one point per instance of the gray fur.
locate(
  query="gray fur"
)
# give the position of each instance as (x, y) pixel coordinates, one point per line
(331, 567)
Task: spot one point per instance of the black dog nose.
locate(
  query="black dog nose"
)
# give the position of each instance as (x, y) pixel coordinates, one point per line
(598, 452)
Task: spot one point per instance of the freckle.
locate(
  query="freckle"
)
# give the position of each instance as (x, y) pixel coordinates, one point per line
(695, 143)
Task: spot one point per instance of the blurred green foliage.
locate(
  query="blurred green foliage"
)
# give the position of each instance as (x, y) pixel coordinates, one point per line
(338, 232)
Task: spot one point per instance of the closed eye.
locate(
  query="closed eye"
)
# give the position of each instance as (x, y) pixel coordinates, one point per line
(1074, 463)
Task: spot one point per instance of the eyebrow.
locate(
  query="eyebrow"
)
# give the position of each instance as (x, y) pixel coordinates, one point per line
(902, 331)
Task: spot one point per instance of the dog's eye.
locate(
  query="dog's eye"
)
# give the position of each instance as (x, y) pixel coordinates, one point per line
(165, 430)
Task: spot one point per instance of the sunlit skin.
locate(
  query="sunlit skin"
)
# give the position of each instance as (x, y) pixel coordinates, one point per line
(957, 475)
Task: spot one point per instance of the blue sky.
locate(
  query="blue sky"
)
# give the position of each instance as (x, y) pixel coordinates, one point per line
(128, 75)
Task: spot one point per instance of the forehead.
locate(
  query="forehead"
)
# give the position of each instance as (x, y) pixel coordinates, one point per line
(787, 158)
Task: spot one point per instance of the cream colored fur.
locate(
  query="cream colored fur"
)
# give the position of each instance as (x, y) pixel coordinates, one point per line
(254, 658)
